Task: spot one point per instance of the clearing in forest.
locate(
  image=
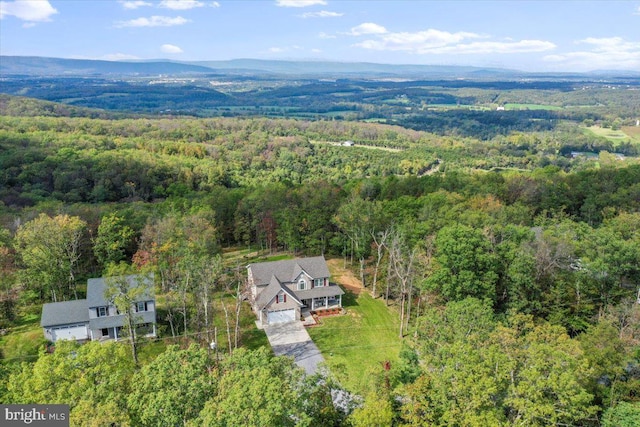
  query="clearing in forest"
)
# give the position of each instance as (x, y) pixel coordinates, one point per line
(370, 147)
(615, 136)
(356, 345)
(343, 276)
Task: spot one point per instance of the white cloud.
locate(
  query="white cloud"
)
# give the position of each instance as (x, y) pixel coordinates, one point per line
(28, 10)
(321, 14)
(417, 41)
(637, 12)
(283, 49)
(609, 44)
(324, 35)
(153, 21)
(434, 41)
(215, 4)
(180, 4)
(299, 3)
(489, 47)
(118, 57)
(367, 28)
(604, 53)
(170, 48)
(134, 4)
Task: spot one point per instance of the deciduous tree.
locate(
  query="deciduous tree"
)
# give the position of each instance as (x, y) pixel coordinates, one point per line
(464, 264)
(172, 389)
(113, 239)
(50, 249)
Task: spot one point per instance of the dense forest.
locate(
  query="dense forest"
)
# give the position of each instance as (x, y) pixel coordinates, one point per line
(507, 246)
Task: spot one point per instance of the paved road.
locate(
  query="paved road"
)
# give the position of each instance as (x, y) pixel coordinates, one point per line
(292, 339)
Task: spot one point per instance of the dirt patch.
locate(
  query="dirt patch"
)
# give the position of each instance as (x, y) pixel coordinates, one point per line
(344, 276)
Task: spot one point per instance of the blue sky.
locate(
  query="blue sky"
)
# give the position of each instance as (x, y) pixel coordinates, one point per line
(526, 35)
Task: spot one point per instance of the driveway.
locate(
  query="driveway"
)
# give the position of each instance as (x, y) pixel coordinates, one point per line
(292, 339)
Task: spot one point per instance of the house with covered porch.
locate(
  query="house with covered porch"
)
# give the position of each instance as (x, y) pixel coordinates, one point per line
(96, 318)
(280, 291)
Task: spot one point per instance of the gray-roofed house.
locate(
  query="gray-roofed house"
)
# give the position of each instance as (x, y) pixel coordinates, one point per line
(65, 320)
(281, 289)
(95, 318)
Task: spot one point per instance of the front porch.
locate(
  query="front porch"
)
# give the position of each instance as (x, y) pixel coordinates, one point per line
(322, 302)
(116, 333)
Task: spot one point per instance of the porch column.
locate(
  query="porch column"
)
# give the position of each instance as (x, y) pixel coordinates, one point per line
(326, 302)
(115, 332)
(154, 329)
(340, 300)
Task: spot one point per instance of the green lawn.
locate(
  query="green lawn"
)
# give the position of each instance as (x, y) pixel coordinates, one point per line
(23, 346)
(356, 344)
(25, 339)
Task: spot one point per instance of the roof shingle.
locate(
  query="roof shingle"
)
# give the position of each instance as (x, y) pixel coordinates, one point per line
(287, 270)
(64, 313)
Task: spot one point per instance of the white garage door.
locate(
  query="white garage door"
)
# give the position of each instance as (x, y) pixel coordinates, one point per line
(70, 332)
(281, 316)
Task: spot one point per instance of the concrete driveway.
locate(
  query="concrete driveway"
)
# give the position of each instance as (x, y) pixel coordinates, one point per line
(292, 339)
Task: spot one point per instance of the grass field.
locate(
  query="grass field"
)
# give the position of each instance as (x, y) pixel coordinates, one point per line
(509, 106)
(615, 136)
(355, 345)
(633, 132)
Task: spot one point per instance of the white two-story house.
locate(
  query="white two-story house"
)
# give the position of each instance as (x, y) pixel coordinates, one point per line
(95, 318)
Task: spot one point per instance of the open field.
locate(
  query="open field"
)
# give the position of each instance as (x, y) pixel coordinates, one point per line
(510, 106)
(633, 132)
(371, 147)
(615, 136)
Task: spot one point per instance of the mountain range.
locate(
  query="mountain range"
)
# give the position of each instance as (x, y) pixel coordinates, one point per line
(42, 66)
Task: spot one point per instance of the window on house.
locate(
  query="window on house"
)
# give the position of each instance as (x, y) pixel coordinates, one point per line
(105, 332)
(102, 311)
(281, 298)
(141, 306)
(318, 283)
(302, 285)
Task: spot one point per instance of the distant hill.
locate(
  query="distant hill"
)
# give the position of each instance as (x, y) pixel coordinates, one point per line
(40, 66)
(53, 67)
(29, 107)
(347, 68)
(34, 65)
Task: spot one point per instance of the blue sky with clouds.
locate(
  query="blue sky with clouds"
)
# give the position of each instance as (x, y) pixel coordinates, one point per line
(528, 35)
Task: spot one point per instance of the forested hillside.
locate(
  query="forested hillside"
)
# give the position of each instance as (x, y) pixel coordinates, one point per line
(510, 256)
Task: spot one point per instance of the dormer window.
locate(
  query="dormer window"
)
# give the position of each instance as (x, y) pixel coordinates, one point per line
(141, 306)
(302, 285)
(102, 312)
